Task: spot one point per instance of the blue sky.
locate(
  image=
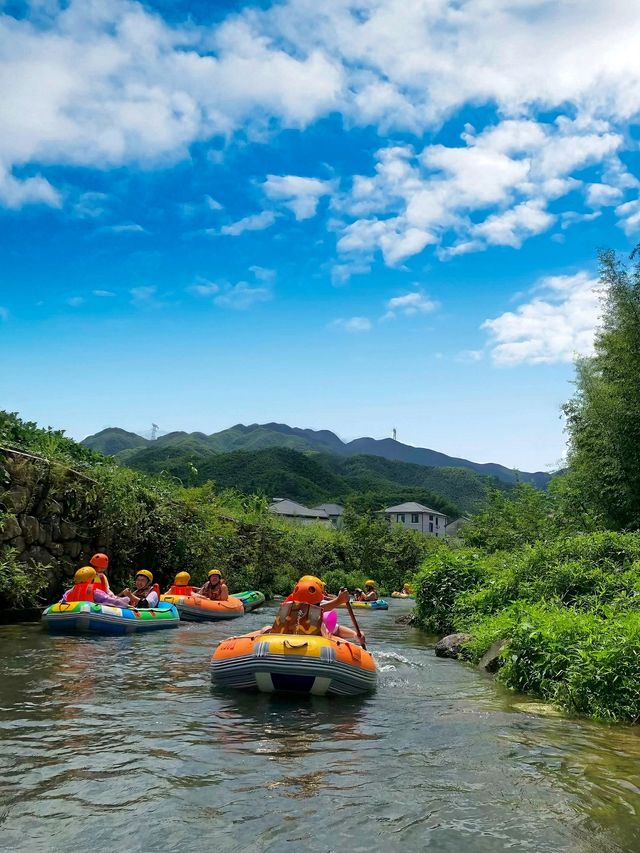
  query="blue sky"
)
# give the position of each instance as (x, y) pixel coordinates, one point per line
(355, 215)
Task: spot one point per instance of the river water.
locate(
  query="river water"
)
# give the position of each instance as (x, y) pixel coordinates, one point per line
(123, 744)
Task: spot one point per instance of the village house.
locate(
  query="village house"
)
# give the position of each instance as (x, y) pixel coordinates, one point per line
(293, 511)
(335, 513)
(415, 516)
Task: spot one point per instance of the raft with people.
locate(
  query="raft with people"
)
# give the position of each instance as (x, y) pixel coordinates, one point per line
(304, 651)
(406, 592)
(90, 606)
(368, 598)
(210, 603)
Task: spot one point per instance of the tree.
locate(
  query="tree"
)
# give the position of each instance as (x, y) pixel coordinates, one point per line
(603, 417)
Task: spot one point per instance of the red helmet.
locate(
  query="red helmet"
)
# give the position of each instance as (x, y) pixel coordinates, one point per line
(99, 561)
(308, 592)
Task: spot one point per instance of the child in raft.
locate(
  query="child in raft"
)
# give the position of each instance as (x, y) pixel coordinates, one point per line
(310, 590)
(100, 563)
(215, 589)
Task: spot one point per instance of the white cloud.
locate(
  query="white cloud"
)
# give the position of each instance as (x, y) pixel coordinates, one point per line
(353, 324)
(144, 295)
(629, 214)
(553, 327)
(242, 296)
(602, 195)
(492, 190)
(300, 195)
(262, 273)
(122, 228)
(469, 356)
(409, 304)
(103, 293)
(76, 301)
(203, 287)
(255, 222)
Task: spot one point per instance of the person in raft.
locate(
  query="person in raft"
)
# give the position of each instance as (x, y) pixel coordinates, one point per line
(145, 592)
(370, 593)
(181, 585)
(215, 589)
(100, 563)
(310, 591)
(358, 594)
(87, 587)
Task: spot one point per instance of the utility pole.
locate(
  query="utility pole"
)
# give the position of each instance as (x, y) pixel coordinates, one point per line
(394, 434)
(154, 431)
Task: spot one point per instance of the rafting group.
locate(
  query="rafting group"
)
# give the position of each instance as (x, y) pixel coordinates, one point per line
(305, 649)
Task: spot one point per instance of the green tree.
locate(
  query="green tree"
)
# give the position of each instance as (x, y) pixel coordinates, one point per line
(603, 417)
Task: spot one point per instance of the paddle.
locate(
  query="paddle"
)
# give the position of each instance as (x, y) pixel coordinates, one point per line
(355, 625)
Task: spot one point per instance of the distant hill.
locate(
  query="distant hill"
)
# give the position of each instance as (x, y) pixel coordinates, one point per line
(366, 482)
(263, 436)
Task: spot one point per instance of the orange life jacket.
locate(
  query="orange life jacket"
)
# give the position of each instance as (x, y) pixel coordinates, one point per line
(102, 582)
(213, 593)
(180, 590)
(81, 592)
(293, 617)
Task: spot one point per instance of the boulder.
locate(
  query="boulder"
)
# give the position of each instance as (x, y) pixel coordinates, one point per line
(18, 543)
(57, 549)
(10, 528)
(17, 498)
(406, 619)
(38, 554)
(30, 528)
(53, 507)
(68, 530)
(491, 661)
(73, 549)
(449, 646)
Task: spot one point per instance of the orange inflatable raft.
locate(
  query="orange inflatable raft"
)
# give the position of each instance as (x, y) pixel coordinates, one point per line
(196, 609)
(292, 663)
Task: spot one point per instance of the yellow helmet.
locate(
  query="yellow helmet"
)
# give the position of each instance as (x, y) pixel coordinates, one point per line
(84, 575)
(182, 579)
(370, 583)
(312, 579)
(146, 574)
(214, 572)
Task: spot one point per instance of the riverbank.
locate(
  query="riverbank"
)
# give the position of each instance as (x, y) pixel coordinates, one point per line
(564, 613)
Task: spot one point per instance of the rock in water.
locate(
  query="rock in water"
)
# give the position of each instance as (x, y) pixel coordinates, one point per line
(449, 646)
(406, 619)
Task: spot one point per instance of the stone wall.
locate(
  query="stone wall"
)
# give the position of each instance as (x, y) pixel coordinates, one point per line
(45, 514)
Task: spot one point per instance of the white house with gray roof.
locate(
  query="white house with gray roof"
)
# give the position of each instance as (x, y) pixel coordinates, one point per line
(294, 511)
(415, 516)
(335, 513)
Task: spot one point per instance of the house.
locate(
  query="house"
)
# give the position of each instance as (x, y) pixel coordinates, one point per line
(293, 511)
(415, 516)
(335, 513)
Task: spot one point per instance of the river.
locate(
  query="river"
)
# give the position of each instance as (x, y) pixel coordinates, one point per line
(123, 744)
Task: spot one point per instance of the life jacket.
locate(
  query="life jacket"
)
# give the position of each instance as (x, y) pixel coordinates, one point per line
(102, 582)
(144, 593)
(293, 617)
(213, 593)
(81, 592)
(180, 590)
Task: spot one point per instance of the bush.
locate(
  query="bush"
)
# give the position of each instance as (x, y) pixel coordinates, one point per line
(442, 578)
(20, 585)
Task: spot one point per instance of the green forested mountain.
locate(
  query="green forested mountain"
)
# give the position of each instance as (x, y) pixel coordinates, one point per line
(365, 481)
(263, 436)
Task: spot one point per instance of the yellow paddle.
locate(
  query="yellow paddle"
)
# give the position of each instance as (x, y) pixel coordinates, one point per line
(355, 625)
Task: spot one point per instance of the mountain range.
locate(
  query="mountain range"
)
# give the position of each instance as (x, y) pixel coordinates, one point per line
(113, 441)
(313, 466)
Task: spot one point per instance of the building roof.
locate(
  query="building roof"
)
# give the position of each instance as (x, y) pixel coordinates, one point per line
(331, 509)
(291, 508)
(412, 506)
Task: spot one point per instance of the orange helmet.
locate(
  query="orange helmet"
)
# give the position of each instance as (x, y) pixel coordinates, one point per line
(308, 592)
(99, 561)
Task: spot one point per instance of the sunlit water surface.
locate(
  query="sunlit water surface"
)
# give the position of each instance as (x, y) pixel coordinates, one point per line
(123, 744)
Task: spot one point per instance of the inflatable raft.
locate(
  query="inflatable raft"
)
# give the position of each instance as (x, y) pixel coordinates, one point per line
(380, 604)
(401, 595)
(195, 609)
(250, 600)
(290, 663)
(85, 617)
